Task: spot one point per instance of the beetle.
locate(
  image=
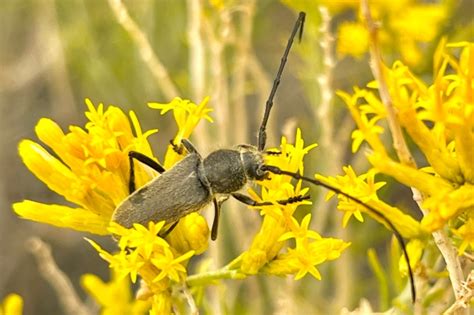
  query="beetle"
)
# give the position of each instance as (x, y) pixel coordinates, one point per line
(194, 182)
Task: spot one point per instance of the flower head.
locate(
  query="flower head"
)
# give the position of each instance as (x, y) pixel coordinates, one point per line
(92, 170)
(12, 305)
(115, 296)
(353, 39)
(466, 233)
(439, 118)
(269, 251)
(400, 30)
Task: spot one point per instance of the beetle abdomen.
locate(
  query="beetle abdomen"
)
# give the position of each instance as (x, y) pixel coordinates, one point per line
(174, 194)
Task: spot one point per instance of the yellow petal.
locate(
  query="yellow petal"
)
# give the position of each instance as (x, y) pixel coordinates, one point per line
(410, 176)
(61, 179)
(62, 216)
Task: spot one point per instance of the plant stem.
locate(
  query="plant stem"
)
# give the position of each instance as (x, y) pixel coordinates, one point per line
(211, 277)
(159, 71)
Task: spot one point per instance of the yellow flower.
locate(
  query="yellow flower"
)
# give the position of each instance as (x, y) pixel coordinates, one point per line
(300, 232)
(142, 247)
(162, 304)
(12, 305)
(408, 25)
(365, 188)
(303, 259)
(268, 252)
(466, 233)
(92, 169)
(170, 266)
(191, 233)
(367, 128)
(415, 251)
(114, 297)
(400, 27)
(187, 115)
(277, 218)
(352, 39)
(439, 118)
(62, 216)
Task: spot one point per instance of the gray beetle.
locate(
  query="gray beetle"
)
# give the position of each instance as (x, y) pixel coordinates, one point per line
(194, 182)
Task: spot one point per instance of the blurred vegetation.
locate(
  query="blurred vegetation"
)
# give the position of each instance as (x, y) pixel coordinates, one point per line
(54, 54)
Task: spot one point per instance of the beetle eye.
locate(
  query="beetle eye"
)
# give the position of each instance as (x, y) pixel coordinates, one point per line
(260, 174)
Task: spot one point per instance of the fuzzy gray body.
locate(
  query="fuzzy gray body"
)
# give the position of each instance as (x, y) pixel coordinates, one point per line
(189, 186)
(168, 197)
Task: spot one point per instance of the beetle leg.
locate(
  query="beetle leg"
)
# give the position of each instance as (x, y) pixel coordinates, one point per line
(189, 146)
(186, 144)
(145, 160)
(249, 201)
(177, 148)
(168, 231)
(272, 152)
(215, 223)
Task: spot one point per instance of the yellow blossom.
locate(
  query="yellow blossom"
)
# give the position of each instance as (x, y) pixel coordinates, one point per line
(114, 297)
(303, 259)
(140, 246)
(466, 233)
(352, 39)
(187, 115)
(162, 304)
(268, 252)
(408, 24)
(277, 218)
(365, 188)
(62, 216)
(191, 233)
(400, 28)
(415, 251)
(300, 232)
(12, 305)
(439, 118)
(92, 169)
(367, 128)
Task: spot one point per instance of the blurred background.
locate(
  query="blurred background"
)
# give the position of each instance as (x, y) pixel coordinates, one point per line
(53, 54)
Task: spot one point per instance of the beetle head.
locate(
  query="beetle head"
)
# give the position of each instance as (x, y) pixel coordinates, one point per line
(252, 160)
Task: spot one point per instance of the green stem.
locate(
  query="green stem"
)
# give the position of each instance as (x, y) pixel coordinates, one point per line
(234, 263)
(210, 277)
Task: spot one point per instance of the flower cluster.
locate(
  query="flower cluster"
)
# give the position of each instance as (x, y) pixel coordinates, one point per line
(269, 248)
(439, 118)
(143, 252)
(401, 31)
(89, 168)
(364, 188)
(92, 170)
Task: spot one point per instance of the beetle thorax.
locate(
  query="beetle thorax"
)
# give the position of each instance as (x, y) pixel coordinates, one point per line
(228, 171)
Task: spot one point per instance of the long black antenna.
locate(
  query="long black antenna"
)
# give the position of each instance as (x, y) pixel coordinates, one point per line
(278, 171)
(262, 134)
